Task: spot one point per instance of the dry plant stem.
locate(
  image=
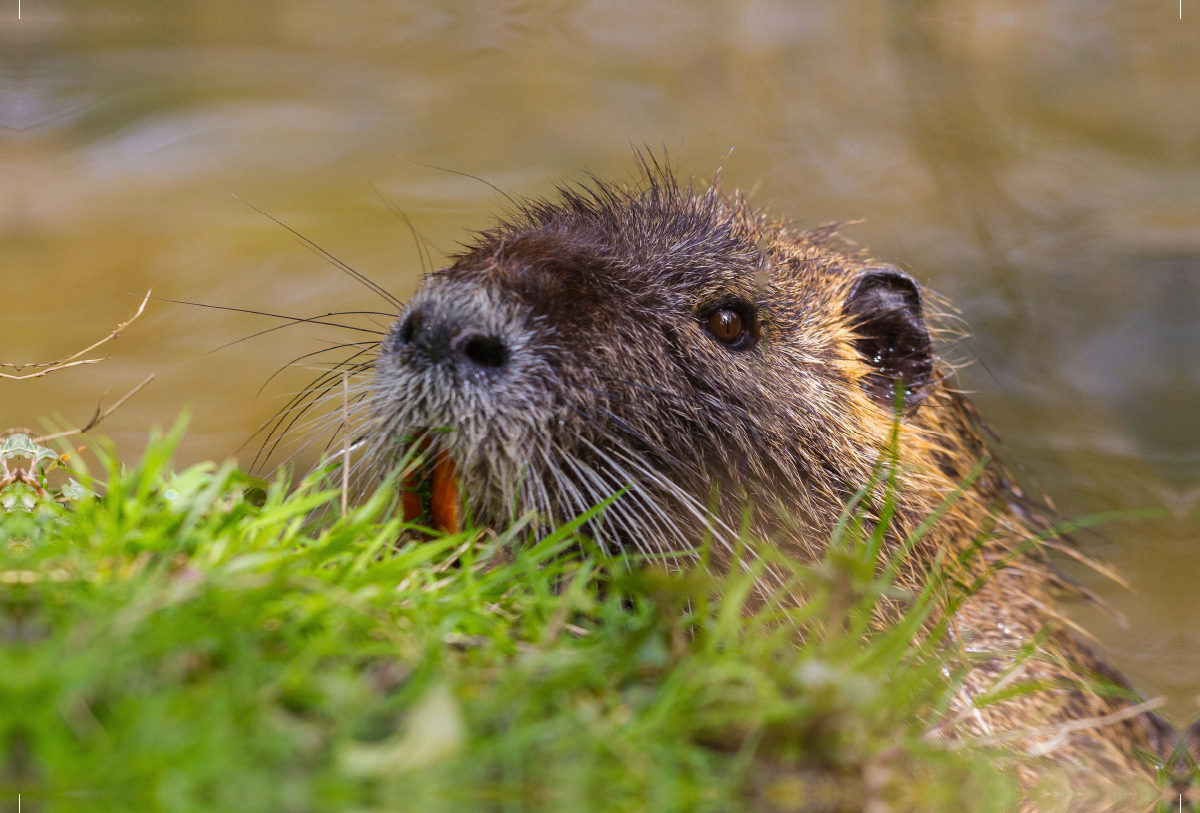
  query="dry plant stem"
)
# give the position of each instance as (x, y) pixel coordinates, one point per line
(1057, 731)
(951, 723)
(99, 416)
(74, 360)
(1090, 561)
(345, 442)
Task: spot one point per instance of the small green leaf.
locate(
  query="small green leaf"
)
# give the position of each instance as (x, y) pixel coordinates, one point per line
(74, 491)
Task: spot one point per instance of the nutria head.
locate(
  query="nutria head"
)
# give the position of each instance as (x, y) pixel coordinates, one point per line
(674, 343)
(710, 359)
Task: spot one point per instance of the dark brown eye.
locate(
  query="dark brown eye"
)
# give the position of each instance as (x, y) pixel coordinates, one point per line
(726, 325)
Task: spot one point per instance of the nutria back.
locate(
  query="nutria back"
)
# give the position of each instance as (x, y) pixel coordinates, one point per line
(710, 357)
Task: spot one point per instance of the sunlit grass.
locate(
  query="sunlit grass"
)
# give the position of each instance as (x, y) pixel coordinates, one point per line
(204, 641)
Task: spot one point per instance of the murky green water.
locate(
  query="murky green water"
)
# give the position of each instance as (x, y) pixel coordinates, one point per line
(1037, 162)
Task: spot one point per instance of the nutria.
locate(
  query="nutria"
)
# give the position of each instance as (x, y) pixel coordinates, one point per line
(668, 339)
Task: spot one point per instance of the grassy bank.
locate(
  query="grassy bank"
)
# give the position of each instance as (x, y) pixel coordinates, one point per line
(202, 641)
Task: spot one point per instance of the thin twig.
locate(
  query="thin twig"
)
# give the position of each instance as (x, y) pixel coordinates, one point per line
(73, 360)
(99, 416)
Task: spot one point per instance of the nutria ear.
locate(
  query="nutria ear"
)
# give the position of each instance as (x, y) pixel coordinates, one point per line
(884, 308)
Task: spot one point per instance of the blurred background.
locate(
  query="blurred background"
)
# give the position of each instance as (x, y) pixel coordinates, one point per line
(1037, 162)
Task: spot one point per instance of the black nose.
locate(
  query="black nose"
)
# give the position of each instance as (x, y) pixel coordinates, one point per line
(449, 340)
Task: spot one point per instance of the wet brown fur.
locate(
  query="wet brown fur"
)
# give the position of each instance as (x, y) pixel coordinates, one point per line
(598, 295)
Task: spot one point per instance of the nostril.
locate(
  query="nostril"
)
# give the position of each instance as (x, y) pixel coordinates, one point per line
(408, 328)
(486, 351)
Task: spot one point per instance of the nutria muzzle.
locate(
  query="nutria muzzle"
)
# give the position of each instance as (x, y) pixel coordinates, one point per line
(445, 343)
(460, 385)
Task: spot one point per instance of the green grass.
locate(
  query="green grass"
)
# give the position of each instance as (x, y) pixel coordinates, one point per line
(203, 641)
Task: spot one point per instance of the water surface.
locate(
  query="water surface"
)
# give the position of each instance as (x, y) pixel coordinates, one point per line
(1036, 162)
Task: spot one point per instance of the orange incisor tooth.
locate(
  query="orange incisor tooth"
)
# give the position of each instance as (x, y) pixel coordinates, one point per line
(441, 477)
(410, 499)
(443, 494)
